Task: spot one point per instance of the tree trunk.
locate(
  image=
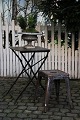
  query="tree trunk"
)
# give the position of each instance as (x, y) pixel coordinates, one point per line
(14, 10)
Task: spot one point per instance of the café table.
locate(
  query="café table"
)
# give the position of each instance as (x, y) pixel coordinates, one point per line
(28, 65)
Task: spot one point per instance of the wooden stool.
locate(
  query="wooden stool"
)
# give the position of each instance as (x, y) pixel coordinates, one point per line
(56, 76)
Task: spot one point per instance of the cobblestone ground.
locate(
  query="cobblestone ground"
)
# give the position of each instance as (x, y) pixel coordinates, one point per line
(26, 109)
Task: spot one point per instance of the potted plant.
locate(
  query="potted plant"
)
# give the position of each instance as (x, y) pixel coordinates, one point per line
(29, 33)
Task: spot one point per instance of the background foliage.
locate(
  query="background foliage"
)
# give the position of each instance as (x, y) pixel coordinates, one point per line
(66, 11)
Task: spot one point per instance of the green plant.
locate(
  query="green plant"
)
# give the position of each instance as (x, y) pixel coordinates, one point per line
(22, 22)
(28, 24)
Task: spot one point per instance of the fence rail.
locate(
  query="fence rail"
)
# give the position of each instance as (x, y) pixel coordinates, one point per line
(61, 56)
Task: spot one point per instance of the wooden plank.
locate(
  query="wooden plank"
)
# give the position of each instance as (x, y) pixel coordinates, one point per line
(62, 51)
(7, 49)
(56, 55)
(76, 64)
(69, 61)
(39, 55)
(1, 48)
(13, 44)
(73, 55)
(49, 58)
(43, 67)
(46, 40)
(79, 56)
(66, 39)
(52, 43)
(11, 63)
(4, 62)
(59, 46)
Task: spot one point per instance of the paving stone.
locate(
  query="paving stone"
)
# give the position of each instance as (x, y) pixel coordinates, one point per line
(3, 114)
(30, 104)
(7, 111)
(2, 106)
(17, 111)
(6, 118)
(48, 113)
(32, 108)
(71, 114)
(43, 116)
(17, 118)
(41, 108)
(30, 119)
(75, 111)
(37, 112)
(67, 118)
(26, 109)
(54, 109)
(1, 110)
(32, 116)
(59, 113)
(77, 118)
(77, 107)
(54, 117)
(64, 110)
(22, 107)
(22, 115)
(1, 118)
(21, 103)
(12, 115)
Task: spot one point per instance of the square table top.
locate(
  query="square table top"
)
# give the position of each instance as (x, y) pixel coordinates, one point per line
(27, 50)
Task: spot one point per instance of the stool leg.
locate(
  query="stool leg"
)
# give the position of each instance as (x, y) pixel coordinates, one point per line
(68, 90)
(37, 85)
(47, 95)
(57, 87)
(39, 80)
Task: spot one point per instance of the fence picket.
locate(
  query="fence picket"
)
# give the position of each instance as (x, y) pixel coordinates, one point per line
(49, 59)
(56, 56)
(73, 55)
(79, 56)
(4, 62)
(69, 61)
(59, 46)
(65, 51)
(1, 48)
(7, 48)
(52, 43)
(62, 55)
(76, 64)
(46, 40)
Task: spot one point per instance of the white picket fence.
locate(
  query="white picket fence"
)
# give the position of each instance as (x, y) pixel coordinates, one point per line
(60, 57)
